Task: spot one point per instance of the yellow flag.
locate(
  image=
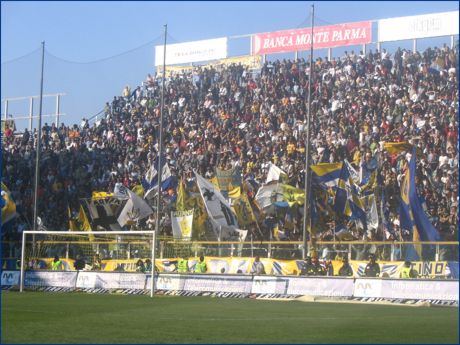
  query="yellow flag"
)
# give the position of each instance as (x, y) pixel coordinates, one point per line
(243, 210)
(199, 215)
(84, 223)
(293, 196)
(9, 207)
(397, 147)
(215, 182)
(234, 192)
(101, 195)
(180, 202)
(138, 190)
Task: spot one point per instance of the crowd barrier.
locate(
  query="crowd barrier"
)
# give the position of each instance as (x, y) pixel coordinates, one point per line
(390, 269)
(445, 290)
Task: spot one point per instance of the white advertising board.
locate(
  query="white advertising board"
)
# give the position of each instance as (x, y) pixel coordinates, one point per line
(50, 278)
(218, 283)
(10, 278)
(269, 285)
(194, 51)
(439, 290)
(168, 282)
(368, 288)
(427, 25)
(331, 287)
(109, 280)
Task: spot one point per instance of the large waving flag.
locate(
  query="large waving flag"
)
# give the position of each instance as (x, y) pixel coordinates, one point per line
(411, 214)
(8, 206)
(347, 201)
(267, 196)
(150, 181)
(218, 208)
(326, 174)
(135, 209)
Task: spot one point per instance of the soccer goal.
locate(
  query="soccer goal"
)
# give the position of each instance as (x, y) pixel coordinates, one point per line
(82, 251)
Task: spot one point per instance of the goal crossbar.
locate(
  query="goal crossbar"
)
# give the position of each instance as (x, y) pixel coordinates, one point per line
(135, 232)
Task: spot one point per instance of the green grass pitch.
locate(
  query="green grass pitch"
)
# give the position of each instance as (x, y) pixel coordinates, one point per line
(34, 317)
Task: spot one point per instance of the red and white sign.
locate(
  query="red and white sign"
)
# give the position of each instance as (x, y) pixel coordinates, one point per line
(323, 37)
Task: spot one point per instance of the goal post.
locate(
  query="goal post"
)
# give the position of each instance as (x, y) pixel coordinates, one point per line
(112, 245)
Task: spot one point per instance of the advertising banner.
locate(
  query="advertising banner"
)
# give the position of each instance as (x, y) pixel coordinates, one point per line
(218, 283)
(367, 288)
(168, 282)
(100, 280)
(49, 278)
(404, 288)
(269, 285)
(332, 287)
(427, 25)
(10, 278)
(323, 37)
(192, 51)
(442, 290)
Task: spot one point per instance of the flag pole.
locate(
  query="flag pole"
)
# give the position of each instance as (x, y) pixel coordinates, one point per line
(37, 159)
(306, 209)
(160, 140)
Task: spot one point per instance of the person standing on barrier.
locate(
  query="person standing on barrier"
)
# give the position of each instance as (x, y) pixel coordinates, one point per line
(372, 268)
(140, 267)
(345, 270)
(200, 266)
(407, 271)
(258, 267)
(148, 266)
(56, 264)
(182, 265)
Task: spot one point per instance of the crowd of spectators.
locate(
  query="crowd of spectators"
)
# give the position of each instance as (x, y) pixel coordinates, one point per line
(222, 116)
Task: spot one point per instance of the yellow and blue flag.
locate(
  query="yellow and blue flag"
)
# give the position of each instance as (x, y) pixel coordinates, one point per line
(411, 214)
(326, 174)
(347, 200)
(397, 147)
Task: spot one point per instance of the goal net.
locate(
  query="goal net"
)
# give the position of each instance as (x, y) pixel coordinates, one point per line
(81, 251)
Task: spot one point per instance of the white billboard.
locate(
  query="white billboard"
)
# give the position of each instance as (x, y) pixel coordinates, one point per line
(427, 25)
(192, 51)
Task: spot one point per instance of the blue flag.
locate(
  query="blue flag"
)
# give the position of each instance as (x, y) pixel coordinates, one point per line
(411, 214)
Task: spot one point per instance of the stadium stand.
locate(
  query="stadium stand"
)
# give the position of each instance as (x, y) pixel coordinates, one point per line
(218, 117)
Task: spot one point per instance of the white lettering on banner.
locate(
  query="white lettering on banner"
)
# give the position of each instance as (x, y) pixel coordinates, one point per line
(10, 278)
(55, 279)
(427, 25)
(269, 285)
(240, 284)
(168, 282)
(323, 37)
(332, 287)
(443, 290)
(367, 288)
(194, 51)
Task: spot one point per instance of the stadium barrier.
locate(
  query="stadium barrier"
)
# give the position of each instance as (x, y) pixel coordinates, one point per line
(445, 290)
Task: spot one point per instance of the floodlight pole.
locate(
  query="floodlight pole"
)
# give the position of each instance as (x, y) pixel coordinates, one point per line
(160, 155)
(37, 159)
(306, 207)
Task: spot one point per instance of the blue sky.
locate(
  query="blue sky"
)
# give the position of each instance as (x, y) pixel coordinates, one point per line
(78, 33)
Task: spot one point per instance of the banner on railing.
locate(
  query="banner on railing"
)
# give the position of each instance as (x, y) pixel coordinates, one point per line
(323, 37)
(427, 25)
(194, 51)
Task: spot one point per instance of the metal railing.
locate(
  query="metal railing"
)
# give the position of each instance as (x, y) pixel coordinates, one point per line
(330, 250)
